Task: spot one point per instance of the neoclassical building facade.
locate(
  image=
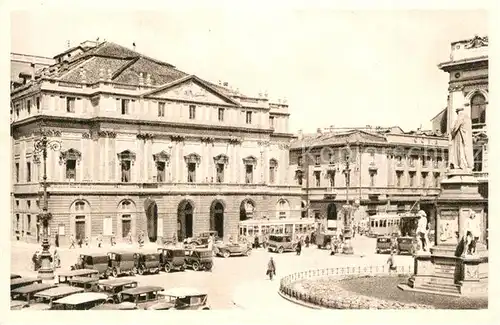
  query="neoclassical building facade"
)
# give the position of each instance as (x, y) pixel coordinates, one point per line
(145, 147)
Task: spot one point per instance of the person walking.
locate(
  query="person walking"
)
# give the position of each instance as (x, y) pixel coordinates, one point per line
(72, 241)
(87, 241)
(298, 249)
(34, 259)
(57, 240)
(307, 240)
(392, 263)
(112, 239)
(57, 259)
(271, 268)
(99, 240)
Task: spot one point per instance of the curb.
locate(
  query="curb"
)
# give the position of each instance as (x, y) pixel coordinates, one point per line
(299, 302)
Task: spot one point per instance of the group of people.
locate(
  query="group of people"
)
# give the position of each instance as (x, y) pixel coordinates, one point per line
(37, 260)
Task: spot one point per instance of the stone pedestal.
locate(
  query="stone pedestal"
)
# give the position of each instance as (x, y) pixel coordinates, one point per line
(446, 269)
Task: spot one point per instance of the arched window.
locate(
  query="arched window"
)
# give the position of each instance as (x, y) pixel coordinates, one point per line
(273, 166)
(478, 109)
(283, 209)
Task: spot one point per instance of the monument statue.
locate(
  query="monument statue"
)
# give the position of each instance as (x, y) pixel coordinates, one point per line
(460, 155)
(422, 230)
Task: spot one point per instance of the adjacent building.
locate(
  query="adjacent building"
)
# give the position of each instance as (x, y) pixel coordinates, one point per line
(383, 170)
(145, 147)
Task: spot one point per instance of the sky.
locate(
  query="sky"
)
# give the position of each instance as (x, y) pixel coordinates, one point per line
(340, 68)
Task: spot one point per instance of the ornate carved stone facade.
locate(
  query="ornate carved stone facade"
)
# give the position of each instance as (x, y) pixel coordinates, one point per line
(144, 152)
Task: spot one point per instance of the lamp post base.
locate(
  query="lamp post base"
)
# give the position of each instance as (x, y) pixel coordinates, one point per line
(46, 272)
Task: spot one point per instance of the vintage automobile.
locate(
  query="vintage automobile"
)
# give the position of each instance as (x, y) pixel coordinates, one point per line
(80, 301)
(281, 243)
(147, 262)
(113, 288)
(384, 244)
(198, 259)
(96, 261)
(66, 276)
(45, 298)
(407, 245)
(172, 259)
(121, 263)
(119, 306)
(21, 297)
(230, 249)
(201, 238)
(21, 282)
(86, 283)
(326, 239)
(182, 299)
(142, 297)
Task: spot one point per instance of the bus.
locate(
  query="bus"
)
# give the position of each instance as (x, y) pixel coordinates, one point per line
(261, 228)
(384, 225)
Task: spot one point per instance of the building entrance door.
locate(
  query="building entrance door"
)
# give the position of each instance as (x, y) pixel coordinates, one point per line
(80, 228)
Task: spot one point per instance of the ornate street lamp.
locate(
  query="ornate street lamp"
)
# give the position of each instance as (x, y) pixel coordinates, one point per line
(41, 146)
(347, 209)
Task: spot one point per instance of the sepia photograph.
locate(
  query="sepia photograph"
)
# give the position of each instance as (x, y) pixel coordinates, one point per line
(212, 159)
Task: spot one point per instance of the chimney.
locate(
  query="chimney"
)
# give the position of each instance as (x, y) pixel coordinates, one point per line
(319, 131)
(68, 44)
(33, 69)
(265, 93)
(148, 79)
(300, 134)
(237, 90)
(133, 45)
(220, 83)
(226, 84)
(141, 79)
(101, 74)
(110, 75)
(285, 100)
(64, 65)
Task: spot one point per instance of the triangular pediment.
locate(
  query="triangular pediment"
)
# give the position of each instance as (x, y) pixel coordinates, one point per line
(191, 88)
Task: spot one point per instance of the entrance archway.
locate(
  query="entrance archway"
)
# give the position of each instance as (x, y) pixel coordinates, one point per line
(247, 209)
(217, 218)
(185, 220)
(151, 219)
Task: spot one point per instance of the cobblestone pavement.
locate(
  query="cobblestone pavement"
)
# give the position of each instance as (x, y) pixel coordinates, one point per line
(235, 280)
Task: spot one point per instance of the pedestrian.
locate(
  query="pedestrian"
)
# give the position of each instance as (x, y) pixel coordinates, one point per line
(34, 259)
(334, 246)
(99, 240)
(87, 241)
(129, 237)
(271, 268)
(307, 241)
(112, 239)
(298, 249)
(256, 242)
(392, 263)
(57, 259)
(72, 241)
(57, 240)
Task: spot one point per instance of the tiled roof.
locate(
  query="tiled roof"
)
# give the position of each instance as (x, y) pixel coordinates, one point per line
(159, 74)
(92, 68)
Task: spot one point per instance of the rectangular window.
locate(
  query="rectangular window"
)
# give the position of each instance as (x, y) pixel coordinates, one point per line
(28, 172)
(38, 104)
(71, 169)
(317, 176)
(299, 161)
(28, 227)
(299, 178)
(220, 173)
(160, 171)
(372, 179)
(28, 106)
(413, 161)
(317, 160)
(70, 104)
(412, 179)
(125, 106)
(221, 115)
(17, 204)
(125, 166)
(28, 204)
(18, 108)
(331, 159)
(424, 179)
(161, 109)
(478, 160)
(192, 112)
(17, 172)
(249, 174)
(249, 117)
(18, 219)
(398, 179)
(424, 161)
(271, 122)
(436, 180)
(191, 172)
(272, 175)
(331, 177)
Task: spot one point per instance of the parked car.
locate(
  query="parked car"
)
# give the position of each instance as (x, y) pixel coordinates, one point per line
(120, 306)
(230, 249)
(66, 276)
(142, 297)
(147, 262)
(86, 283)
(114, 287)
(80, 301)
(326, 239)
(121, 263)
(21, 282)
(407, 245)
(182, 299)
(384, 244)
(45, 298)
(281, 243)
(201, 238)
(172, 259)
(21, 297)
(96, 261)
(199, 259)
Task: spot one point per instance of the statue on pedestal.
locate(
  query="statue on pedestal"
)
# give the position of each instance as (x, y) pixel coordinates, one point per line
(460, 155)
(472, 232)
(422, 231)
